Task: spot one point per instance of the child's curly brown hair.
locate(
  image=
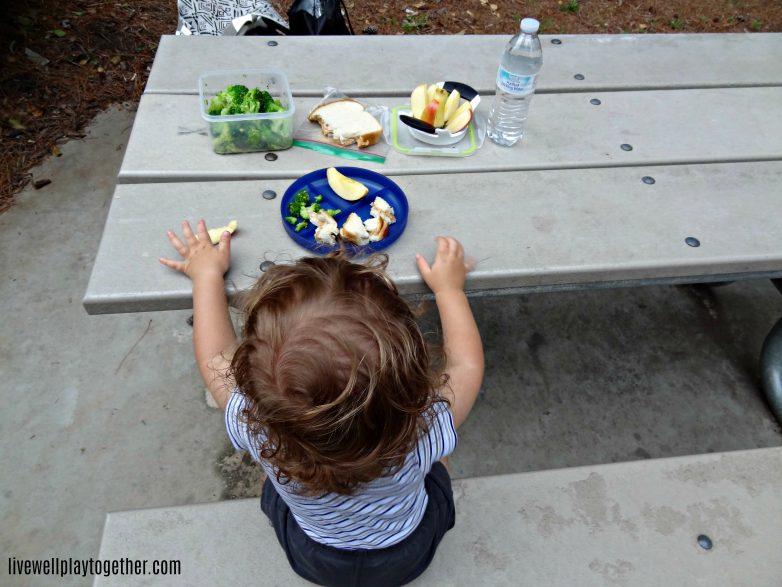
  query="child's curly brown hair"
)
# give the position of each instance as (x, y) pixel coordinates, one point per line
(338, 379)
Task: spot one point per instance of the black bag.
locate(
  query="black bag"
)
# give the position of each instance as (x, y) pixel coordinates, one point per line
(318, 17)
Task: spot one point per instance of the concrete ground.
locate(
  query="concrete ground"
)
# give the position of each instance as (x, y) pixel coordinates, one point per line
(107, 413)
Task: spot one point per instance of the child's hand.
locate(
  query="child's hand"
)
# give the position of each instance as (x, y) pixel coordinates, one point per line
(201, 258)
(449, 267)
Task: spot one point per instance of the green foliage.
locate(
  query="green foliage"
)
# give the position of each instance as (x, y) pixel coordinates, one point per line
(677, 24)
(571, 7)
(755, 25)
(412, 24)
(546, 23)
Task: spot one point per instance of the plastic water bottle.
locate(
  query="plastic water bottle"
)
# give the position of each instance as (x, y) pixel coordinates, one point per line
(516, 80)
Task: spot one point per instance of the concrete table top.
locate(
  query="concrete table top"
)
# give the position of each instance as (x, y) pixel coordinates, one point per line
(564, 131)
(527, 229)
(389, 67)
(633, 523)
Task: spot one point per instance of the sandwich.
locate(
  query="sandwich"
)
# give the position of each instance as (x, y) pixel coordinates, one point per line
(354, 231)
(327, 228)
(377, 228)
(382, 209)
(347, 122)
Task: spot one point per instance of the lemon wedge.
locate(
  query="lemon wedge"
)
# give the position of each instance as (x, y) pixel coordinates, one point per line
(346, 188)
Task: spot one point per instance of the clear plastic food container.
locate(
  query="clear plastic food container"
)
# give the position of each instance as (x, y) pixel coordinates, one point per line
(246, 133)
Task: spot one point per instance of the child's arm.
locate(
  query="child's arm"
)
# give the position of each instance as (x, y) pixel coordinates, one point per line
(213, 333)
(461, 338)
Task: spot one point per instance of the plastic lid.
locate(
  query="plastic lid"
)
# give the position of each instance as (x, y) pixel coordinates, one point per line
(529, 25)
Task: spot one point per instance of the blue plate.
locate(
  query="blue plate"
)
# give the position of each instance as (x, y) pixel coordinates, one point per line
(316, 184)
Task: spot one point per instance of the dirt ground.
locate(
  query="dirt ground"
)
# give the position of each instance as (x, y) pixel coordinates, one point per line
(99, 53)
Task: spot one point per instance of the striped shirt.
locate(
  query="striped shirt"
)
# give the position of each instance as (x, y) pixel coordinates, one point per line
(382, 512)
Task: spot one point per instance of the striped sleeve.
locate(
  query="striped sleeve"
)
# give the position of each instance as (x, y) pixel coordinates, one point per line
(236, 431)
(442, 438)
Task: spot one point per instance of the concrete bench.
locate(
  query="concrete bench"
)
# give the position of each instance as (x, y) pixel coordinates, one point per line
(631, 524)
(564, 131)
(606, 62)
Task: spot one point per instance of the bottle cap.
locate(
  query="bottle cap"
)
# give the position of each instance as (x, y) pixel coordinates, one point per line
(529, 26)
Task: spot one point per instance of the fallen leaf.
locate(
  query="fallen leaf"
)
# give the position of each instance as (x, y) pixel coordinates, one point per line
(30, 107)
(83, 62)
(16, 124)
(59, 33)
(56, 152)
(484, 2)
(41, 183)
(116, 59)
(461, 32)
(91, 10)
(37, 113)
(78, 13)
(24, 21)
(493, 6)
(641, 26)
(498, 15)
(470, 13)
(11, 59)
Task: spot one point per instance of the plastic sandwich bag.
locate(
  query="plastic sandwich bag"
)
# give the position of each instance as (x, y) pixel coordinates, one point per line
(310, 136)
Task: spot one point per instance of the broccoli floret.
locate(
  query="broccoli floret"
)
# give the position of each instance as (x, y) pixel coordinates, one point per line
(301, 226)
(220, 101)
(237, 93)
(300, 200)
(251, 104)
(272, 107)
(305, 210)
(291, 219)
(318, 199)
(277, 101)
(333, 212)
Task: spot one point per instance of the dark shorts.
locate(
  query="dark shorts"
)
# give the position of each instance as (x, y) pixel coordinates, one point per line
(386, 567)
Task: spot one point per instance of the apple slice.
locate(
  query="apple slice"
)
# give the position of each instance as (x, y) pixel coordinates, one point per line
(459, 121)
(452, 105)
(463, 108)
(346, 188)
(441, 97)
(430, 93)
(430, 112)
(418, 101)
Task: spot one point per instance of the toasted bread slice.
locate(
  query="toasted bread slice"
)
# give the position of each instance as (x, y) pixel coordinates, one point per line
(347, 122)
(353, 231)
(377, 228)
(381, 208)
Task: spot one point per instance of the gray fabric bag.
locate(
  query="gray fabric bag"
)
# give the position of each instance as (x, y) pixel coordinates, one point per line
(229, 17)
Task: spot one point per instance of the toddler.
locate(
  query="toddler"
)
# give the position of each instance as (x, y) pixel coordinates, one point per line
(335, 392)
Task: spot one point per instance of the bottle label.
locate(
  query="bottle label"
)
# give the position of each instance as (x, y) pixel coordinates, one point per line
(516, 84)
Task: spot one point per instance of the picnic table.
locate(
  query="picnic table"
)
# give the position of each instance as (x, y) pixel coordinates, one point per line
(637, 148)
